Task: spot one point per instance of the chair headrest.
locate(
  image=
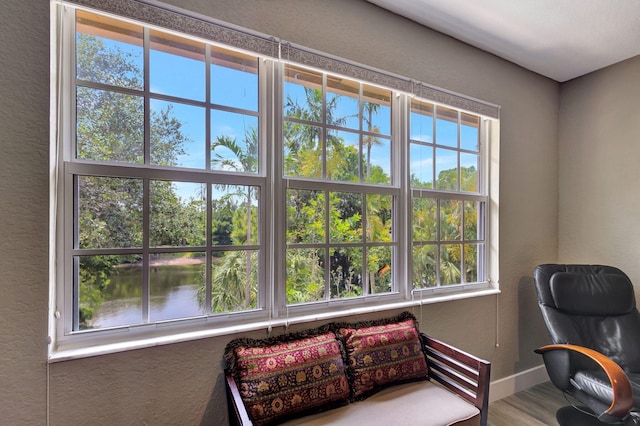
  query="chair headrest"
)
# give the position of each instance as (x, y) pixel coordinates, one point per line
(592, 294)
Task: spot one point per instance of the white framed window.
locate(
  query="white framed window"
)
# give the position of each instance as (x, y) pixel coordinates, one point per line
(449, 196)
(206, 186)
(339, 193)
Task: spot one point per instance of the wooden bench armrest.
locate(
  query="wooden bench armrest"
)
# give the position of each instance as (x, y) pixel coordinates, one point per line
(237, 411)
(462, 373)
(622, 391)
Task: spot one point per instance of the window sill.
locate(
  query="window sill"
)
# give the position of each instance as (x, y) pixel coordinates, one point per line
(162, 336)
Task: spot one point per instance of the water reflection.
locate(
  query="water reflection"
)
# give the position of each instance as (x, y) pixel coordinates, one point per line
(173, 293)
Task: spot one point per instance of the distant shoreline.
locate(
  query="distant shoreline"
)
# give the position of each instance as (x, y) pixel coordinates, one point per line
(177, 261)
(171, 261)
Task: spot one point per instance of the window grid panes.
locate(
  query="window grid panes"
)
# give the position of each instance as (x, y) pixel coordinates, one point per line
(173, 186)
(337, 130)
(181, 239)
(449, 206)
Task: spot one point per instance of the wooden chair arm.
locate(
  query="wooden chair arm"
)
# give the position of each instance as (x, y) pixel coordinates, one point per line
(622, 392)
(237, 410)
(462, 373)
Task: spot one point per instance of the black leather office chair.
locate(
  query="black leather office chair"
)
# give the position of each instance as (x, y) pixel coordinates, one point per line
(590, 312)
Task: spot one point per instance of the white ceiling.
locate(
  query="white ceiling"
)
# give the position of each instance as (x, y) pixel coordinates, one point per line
(561, 39)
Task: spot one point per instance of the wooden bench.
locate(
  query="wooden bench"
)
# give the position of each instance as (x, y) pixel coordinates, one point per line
(457, 393)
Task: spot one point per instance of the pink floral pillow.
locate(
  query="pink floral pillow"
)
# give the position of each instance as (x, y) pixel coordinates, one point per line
(288, 376)
(382, 354)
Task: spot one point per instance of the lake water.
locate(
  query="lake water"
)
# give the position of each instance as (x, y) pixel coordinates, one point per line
(173, 294)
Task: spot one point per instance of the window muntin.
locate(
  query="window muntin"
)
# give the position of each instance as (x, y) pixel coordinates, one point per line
(192, 157)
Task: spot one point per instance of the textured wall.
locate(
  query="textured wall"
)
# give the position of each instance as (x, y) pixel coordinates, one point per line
(24, 201)
(182, 383)
(599, 153)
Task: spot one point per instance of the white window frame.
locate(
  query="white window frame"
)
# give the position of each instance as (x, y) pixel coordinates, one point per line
(272, 310)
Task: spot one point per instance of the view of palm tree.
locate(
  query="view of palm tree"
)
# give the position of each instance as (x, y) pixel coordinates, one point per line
(142, 239)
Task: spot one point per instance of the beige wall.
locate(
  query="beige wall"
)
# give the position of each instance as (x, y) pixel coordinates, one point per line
(182, 383)
(24, 196)
(600, 157)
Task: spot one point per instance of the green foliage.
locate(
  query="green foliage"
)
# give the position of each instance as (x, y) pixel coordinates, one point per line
(305, 276)
(110, 127)
(231, 273)
(350, 261)
(425, 225)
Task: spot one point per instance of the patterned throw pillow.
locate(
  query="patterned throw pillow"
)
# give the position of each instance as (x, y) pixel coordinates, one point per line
(279, 379)
(382, 353)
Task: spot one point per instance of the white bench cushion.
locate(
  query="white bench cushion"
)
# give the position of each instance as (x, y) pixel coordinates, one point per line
(416, 403)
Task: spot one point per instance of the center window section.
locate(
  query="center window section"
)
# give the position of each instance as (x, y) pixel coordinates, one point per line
(340, 194)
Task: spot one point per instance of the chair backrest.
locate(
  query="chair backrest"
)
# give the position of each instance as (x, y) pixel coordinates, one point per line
(592, 306)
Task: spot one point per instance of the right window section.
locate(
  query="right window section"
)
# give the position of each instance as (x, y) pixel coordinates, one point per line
(448, 196)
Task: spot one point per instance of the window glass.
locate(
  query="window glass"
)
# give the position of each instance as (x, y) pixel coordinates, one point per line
(109, 212)
(235, 212)
(234, 79)
(234, 281)
(470, 132)
(472, 213)
(450, 264)
(176, 66)
(379, 219)
(303, 96)
(109, 290)
(346, 272)
(450, 220)
(469, 166)
(109, 126)
(376, 110)
(178, 134)
(343, 156)
(184, 200)
(376, 160)
(439, 221)
(421, 165)
(305, 275)
(166, 210)
(421, 121)
(379, 270)
(446, 127)
(342, 102)
(472, 262)
(345, 217)
(177, 283)
(177, 214)
(234, 142)
(424, 217)
(306, 215)
(425, 270)
(109, 51)
(446, 169)
(303, 150)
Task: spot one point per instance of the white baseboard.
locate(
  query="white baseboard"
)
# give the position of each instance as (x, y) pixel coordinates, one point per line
(506, 386)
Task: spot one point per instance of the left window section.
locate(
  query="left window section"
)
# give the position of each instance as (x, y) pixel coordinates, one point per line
(161, 174)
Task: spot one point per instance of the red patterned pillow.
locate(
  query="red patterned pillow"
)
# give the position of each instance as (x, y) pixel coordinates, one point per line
(279, 379)
(384, 353)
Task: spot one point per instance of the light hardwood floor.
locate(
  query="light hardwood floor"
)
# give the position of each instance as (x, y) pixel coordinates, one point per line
(535, 406)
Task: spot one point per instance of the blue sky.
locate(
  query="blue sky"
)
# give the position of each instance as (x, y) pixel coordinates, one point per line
(184, 77)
